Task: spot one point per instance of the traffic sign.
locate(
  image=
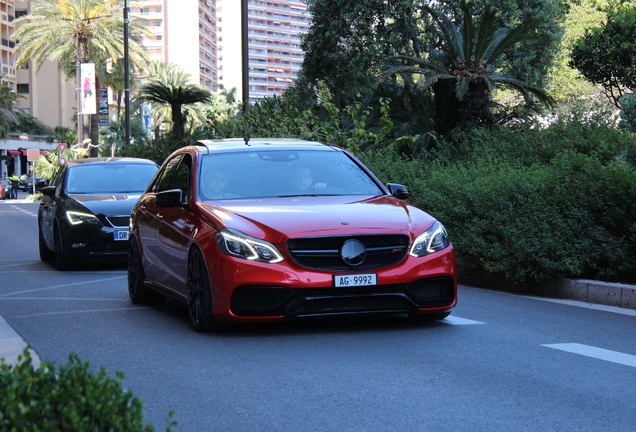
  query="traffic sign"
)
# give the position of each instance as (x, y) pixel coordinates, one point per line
(33, 155)
(62, 161)
(61, 147)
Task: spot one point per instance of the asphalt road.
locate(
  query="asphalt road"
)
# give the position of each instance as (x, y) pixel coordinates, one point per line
(500, 362)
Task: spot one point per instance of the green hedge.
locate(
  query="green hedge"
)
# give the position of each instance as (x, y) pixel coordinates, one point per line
(531, 205)
(66, 397)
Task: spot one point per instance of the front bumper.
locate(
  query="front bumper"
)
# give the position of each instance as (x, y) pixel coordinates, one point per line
(265, 292)
(93, 242)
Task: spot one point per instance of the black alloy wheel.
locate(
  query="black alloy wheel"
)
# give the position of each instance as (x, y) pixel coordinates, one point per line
(199, 294)
(46, 254)
(137, 291)
(61, 262)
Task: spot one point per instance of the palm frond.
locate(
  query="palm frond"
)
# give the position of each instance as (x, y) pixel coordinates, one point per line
(523, 87)
(451, 33)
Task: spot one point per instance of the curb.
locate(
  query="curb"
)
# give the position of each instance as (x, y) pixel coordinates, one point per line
(12, 345)
(591, 291)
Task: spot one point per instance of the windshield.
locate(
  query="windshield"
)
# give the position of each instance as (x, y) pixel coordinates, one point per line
(283, 173)
(109, 178)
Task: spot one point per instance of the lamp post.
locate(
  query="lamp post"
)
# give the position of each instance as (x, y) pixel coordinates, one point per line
(80, 116)
(126, 76)
(245, 56)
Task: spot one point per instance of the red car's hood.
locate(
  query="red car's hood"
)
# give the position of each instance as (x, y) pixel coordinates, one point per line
(276, 219)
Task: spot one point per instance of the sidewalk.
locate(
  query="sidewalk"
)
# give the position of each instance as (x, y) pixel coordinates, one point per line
(22, 199)
(12, 345)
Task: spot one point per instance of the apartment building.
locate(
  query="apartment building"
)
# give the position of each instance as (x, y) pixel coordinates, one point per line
(47, 95)
(275, 56)
(184, 33)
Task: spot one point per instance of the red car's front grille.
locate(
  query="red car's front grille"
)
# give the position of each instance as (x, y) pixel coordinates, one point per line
(403, 298)
(323, 253)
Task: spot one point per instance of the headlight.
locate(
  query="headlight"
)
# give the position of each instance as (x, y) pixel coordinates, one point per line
(432, 240)
(237, 244)
(76, 218)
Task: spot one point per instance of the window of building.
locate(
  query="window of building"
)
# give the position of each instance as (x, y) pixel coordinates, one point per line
(22, 88)
(20, 12)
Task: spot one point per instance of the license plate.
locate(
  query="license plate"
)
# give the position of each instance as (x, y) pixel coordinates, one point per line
(355, 280)
(121, 235)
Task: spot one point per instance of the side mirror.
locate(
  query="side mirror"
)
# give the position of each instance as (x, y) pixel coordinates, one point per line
(48, 191)
(398, 190)
(169, 199)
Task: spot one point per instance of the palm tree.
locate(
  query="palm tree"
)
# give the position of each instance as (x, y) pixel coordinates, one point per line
(461, 74)
(71, 31)
(8, 101)
(169, 85)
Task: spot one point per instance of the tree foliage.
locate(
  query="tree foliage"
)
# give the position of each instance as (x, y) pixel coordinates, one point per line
(348, 41)
(461, 72)
(606, 55)
(170, 86)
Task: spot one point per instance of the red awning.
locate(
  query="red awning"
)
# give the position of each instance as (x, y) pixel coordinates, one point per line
(43, 153)
(15, 152)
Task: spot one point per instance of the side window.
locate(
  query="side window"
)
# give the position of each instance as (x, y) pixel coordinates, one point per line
(58, 180)
(182, 177)
(164, 179)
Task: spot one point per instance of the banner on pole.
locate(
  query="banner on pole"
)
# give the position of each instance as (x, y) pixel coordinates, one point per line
(87, 82)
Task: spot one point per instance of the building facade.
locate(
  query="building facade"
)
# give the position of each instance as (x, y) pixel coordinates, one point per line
(183, 33)
(275, 56)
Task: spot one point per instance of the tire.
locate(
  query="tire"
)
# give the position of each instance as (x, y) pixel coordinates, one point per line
(137, 291)
(61, 262)
(46, 254)
(199, 292)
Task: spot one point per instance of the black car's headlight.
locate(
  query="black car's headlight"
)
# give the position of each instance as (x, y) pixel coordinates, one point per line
(237, 244)
(432, 240)
(76, 218)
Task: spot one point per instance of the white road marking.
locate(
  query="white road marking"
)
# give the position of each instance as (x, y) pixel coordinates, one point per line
(30, 213)
(61, 286)
(455, 320)
(597, 353)
(131, 308)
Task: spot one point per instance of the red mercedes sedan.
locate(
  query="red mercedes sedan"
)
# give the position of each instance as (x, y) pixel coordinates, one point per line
(272, 229)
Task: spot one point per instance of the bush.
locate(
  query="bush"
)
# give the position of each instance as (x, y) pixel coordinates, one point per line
(66, 397)
(549, 214)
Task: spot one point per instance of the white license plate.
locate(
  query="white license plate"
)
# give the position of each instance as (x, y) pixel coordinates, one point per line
(355, 280)
(121, 235)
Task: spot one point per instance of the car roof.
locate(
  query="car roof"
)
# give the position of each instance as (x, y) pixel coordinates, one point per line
(240, 144)
(82, 161)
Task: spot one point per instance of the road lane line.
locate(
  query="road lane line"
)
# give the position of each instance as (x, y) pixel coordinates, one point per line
(597, 353)
(61, 286)
(131, 308)
(454, 320)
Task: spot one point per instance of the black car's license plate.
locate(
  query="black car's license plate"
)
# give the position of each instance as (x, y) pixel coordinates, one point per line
(120, 235)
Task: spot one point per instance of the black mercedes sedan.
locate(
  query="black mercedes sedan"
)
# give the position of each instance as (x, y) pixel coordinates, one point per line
(85, 212)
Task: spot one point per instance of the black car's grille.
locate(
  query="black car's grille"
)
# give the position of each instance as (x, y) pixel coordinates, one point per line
(400, 298)
(118, 221)
(323, 253)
